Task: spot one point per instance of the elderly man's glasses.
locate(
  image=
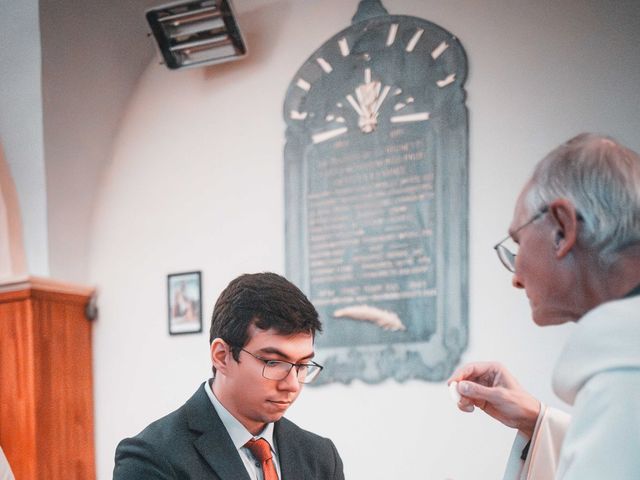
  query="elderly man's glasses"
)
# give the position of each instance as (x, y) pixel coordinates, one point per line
(279, 369)
(506, 256)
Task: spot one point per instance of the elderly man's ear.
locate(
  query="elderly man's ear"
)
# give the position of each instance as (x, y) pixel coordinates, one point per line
(565, 218)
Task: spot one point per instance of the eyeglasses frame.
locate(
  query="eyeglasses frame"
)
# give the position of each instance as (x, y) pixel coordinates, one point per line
(506, 256)
(297, 365)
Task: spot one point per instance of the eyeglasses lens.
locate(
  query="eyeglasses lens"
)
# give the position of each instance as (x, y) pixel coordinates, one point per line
(506, 257)
(280, 370)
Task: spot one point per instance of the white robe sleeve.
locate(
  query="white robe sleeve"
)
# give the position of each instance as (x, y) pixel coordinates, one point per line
(604, 438)
(544, 452)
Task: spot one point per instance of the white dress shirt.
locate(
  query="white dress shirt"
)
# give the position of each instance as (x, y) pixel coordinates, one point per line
(5, 469)
(240, 436)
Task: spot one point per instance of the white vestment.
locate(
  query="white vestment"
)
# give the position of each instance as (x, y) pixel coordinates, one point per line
(598, 372)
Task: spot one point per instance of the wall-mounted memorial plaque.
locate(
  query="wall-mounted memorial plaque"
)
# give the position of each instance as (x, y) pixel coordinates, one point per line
(376, 197)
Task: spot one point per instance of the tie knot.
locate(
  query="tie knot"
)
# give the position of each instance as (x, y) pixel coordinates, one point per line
(260, 449)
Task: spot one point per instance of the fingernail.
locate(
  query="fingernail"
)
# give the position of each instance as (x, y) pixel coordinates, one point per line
(463, 387)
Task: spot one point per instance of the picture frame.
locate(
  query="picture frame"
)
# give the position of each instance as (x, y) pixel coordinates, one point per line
(184, 302)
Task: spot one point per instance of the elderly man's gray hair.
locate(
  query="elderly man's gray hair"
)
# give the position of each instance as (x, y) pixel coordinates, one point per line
(602, 179)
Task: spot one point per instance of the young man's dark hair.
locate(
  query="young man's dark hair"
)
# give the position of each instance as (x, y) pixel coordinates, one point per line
(265, 300)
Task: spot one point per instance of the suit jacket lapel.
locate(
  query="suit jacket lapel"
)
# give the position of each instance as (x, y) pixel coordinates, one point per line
(289, 453)
(214, 444)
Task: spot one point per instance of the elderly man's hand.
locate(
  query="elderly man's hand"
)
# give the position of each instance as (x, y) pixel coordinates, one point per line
(490, 387)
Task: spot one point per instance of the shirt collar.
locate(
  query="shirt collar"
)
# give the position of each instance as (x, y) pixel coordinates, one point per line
(238, 433)
(633, 293)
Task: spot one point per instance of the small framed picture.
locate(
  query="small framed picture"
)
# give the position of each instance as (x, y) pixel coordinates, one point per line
(184, 295)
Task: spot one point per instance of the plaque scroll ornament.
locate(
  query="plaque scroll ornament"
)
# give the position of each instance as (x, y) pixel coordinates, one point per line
(376, 197)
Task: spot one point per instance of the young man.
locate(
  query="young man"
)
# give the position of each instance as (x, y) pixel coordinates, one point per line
(262, 333)
(577, 230)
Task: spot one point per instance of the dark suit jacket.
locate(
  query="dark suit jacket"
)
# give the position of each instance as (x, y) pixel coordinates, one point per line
(192, 443)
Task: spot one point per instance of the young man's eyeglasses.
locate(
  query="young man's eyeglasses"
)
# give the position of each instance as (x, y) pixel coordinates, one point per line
(279, 369)
(506, 256)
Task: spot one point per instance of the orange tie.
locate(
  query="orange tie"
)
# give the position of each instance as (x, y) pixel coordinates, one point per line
(262, 451)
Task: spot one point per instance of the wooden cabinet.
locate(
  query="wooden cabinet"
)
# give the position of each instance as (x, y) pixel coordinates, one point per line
(46, 385)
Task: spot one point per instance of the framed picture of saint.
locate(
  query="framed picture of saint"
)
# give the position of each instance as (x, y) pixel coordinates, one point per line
(184, 300)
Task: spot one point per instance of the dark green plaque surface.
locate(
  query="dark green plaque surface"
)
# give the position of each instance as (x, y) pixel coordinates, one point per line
(376, 197)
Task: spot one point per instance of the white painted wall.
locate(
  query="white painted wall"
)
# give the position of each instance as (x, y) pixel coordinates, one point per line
(12, 258)
(195, 183)
(93, 53)
(21, 123)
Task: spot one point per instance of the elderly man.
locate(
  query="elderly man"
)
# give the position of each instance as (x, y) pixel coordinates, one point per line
(577, 231)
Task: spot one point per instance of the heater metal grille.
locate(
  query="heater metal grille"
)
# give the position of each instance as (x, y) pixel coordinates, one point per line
(196, 33)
